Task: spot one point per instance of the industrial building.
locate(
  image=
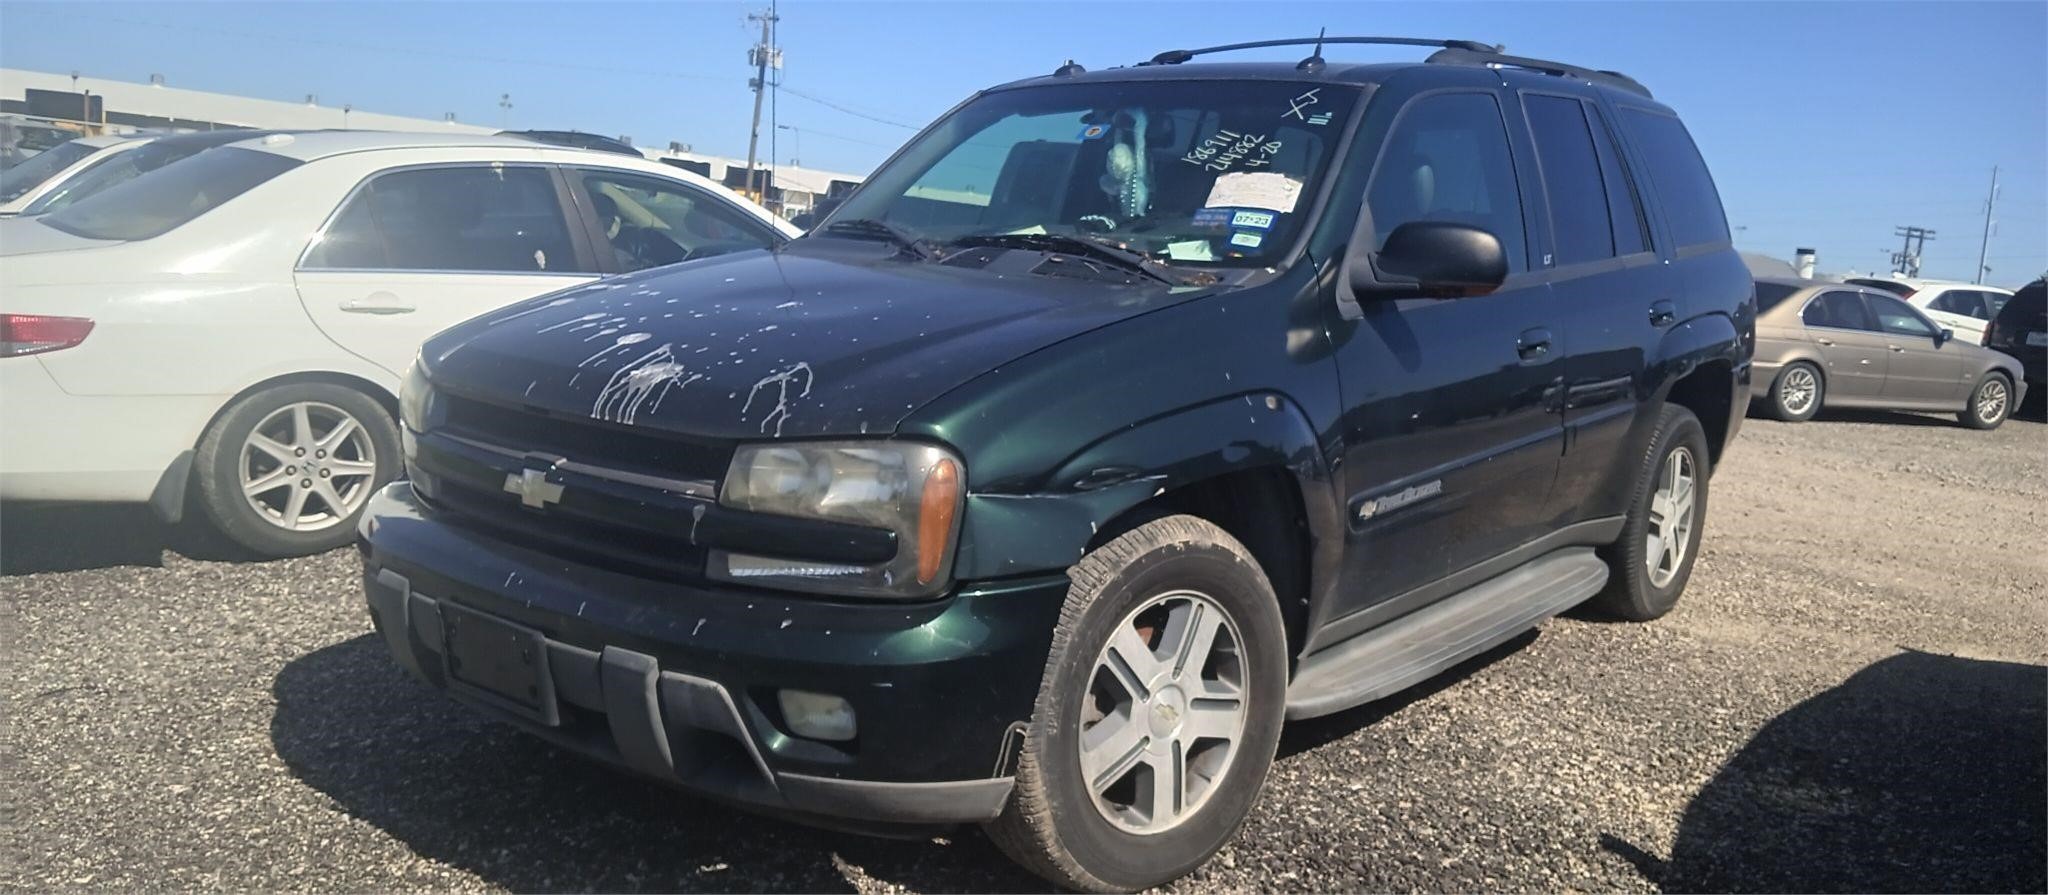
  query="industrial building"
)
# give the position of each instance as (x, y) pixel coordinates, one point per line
(98, 105)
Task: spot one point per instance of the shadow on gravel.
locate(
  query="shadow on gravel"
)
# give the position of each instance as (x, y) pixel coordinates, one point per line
(1920, 773)
(1304, 736)
(490, 800)
(70, 538)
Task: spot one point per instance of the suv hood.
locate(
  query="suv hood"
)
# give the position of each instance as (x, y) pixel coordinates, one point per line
(760, 344)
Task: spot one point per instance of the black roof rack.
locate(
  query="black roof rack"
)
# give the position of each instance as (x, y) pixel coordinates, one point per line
(1492, 56)
(1176, 57)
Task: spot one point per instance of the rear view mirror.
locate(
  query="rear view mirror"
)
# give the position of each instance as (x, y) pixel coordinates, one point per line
(1432, 258)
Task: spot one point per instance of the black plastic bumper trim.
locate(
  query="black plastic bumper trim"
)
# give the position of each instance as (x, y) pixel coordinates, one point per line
(651, 715)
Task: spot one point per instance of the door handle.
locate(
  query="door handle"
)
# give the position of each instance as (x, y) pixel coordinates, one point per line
(1663, 313)
(378, 303)
(1826, 343)
(1896, 348)
(1533, 345)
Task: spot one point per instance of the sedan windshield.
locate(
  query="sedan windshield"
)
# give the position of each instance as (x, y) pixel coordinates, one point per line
(15, 182)
(1195, 172)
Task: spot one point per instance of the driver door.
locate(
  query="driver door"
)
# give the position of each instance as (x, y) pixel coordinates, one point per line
(638, 221)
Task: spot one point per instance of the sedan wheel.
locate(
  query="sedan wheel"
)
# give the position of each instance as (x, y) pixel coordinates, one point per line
(286, 471)
(1990, 403)
(308, 466)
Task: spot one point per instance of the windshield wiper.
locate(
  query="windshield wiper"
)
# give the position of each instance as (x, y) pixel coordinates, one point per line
(1081, 245)
(883, 230)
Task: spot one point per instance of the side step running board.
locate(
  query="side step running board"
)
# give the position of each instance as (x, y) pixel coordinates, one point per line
(1416, 646)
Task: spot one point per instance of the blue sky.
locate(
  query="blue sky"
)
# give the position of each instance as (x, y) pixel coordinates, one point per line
(1826, 124)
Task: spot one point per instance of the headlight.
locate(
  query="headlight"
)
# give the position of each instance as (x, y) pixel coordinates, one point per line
(417, 406)
(914, 490)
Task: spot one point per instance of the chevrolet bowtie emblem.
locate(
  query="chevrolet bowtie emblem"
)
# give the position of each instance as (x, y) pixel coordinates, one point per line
(533, 488)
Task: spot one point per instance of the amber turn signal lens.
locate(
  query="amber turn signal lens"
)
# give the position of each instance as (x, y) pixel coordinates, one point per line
(935, 518)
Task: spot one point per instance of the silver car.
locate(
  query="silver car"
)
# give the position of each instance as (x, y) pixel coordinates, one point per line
(1840, 345)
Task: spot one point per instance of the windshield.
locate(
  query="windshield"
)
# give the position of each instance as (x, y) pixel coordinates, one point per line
(154, 205)
(15, 182)
(113, 170)
(1196, 172)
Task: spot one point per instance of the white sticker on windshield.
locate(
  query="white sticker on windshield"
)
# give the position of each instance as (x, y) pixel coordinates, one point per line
(1248, 240)
(1191, 250)
(1256, 220)
(1255, 189)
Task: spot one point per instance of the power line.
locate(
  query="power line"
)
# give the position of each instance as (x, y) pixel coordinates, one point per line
(839, 108)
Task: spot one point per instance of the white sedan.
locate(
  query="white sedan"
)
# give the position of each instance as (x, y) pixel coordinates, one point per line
(1966, 308)
(235, 325)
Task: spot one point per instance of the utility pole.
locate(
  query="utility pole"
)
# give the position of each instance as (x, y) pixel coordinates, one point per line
(504, 111)
(1985, 245)
(762, 56)
(1906, 262)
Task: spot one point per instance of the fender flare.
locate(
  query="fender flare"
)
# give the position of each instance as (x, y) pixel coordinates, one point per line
(1698, 341)
(1050, 529)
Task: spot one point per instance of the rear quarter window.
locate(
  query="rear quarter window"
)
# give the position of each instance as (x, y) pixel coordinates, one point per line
(1678, 176)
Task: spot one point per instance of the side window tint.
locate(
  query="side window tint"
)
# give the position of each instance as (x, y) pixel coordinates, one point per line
(1624, 203)
(1895, 317)
(1993, 303)
(1960, 301)
(1571, 179)
(1840, 310)
(1679, 176)
(650, 222)
(471, 218)
(1447, 160)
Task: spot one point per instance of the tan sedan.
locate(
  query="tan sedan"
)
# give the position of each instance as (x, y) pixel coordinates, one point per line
(1836, 345)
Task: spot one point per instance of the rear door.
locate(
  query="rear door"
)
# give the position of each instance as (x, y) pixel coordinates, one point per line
(1614, 296)
(1923, 367)
(415, 250)
(1856, 353)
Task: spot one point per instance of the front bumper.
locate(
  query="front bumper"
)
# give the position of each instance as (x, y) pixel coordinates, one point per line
(677, 681)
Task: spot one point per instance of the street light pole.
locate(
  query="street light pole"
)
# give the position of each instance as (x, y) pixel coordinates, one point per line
(796, 135)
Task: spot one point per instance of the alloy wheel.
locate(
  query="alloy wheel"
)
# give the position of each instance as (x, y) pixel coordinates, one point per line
(1165, 713)
(1671, 516)
(308, 466)
(1797, 392)
(1991, 399)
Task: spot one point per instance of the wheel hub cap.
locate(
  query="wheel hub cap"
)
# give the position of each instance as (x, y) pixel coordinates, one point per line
(1671, 517)
(1164, 711)
(308, 466)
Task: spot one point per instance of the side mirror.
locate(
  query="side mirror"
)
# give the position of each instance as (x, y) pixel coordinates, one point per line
(1942, 338)
(1432, 258)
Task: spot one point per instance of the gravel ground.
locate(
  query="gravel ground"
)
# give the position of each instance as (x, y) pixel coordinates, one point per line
(1851, 697)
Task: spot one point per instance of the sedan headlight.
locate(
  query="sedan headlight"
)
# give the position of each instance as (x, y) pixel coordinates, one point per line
(914, 490)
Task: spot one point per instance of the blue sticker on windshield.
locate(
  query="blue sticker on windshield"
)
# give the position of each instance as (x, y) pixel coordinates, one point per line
(1211, 218)
(1093, 132)
(1256, 220)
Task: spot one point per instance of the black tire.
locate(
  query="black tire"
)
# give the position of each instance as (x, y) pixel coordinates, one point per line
(220, 463)
(1778, 392)
(1633, 591)
(1052, 824)
(1970, 415)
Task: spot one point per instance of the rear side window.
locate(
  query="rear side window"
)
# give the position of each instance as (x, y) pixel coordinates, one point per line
(490, 218)
(1771, 295)
(1571, 179)
(155, 205)
(1679, 176)
(1447, 160)
(1839, 310)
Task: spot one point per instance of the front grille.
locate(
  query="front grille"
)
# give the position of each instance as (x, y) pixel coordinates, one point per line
(588, 441)
(633, 501)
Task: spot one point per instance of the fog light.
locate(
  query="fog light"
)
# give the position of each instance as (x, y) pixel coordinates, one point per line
(819, 716)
